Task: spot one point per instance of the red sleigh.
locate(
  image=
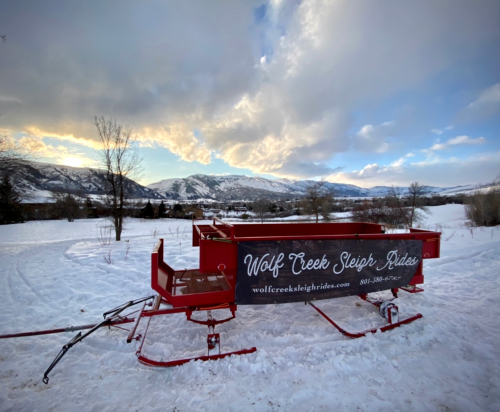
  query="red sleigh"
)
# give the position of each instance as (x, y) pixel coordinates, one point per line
(213, 286)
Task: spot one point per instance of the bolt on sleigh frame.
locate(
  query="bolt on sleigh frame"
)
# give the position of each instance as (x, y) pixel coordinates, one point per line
(288, 262)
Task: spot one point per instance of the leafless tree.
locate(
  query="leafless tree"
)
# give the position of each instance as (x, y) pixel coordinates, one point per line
(68, 206)
(261, 207)
(3, 37)
(120, 160)
(415, 193)
(12, 154)
(396, 202)
(318, 199)
(405, 206)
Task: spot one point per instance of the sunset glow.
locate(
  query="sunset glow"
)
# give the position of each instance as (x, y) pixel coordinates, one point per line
(73, 161)
(366, 93)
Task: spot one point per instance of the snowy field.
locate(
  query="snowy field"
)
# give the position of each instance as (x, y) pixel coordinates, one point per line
(56, 274)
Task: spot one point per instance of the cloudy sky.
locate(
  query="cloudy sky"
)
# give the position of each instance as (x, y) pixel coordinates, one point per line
(362, 92)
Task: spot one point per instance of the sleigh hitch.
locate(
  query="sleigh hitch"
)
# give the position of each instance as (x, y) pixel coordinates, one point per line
(112, 320)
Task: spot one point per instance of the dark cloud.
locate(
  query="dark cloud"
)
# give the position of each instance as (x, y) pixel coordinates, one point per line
(70, 60)
(169, 67)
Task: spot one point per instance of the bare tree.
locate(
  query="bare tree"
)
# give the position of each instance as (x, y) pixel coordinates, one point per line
(415, 193)
(318, 199)
(120, 159)
(12, 154)
(405, 206)
(261, 207)
(68, 206)
(395, 201)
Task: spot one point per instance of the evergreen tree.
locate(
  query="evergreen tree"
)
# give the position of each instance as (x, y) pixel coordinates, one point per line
(10, 205)
(161, 209)
(148, 211)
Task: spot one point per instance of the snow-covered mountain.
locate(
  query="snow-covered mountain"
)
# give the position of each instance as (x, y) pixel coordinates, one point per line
(236, 187)
(36, 181)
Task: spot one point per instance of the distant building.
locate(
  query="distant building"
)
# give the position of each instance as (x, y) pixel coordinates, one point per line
(194, 212)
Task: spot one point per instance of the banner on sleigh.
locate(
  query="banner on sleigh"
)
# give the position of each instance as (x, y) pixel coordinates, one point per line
(304, 270)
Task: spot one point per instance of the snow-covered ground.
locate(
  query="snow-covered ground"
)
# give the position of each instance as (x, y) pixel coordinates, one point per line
(56, 274)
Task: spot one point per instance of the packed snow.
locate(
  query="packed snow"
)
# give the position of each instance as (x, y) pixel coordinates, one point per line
(57, 274)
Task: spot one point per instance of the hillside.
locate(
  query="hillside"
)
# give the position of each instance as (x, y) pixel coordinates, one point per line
(236, 187)
(36, 181)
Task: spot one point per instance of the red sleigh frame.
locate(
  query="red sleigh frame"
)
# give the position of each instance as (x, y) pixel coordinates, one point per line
(211, 287)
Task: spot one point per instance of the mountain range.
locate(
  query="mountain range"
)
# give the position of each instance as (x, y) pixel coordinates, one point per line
(235, 187)
(36, 181)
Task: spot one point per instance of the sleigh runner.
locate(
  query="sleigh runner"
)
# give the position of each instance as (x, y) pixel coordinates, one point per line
(253, 264)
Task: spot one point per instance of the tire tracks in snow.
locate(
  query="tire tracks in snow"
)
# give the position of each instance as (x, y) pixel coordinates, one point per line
(14, 274)
(29, 286)
(17, 277)
(10, 274)
(9, 286)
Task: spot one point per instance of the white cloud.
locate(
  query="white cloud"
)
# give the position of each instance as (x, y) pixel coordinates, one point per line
(373, 138)
(441, 131)
(35, 132)
(435, 171)
(179, 138)
(334, 56)
(466, 140)
(486, 105)
(398, 162)
(459, 140)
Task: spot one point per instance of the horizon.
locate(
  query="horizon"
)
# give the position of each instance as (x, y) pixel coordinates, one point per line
(368, 94)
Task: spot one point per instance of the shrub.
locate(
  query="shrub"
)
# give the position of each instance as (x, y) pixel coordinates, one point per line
(483, 209)
(380, 212)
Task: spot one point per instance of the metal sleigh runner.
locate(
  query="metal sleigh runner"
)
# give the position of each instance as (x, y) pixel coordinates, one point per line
(254, 264)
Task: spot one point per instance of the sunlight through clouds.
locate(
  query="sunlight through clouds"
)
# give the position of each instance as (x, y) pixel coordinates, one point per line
(295, 89)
